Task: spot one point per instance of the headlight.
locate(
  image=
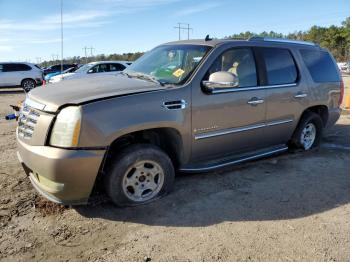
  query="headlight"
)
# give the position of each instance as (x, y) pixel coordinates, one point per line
(66, 130)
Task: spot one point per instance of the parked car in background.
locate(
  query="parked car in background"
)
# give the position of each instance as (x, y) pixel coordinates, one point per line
(57, 68)
(26, 75)
(344, 67)
(69, 70)
(191, 106)
(93, 68)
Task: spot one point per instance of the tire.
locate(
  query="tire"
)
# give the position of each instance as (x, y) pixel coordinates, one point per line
(303, 135)
(28, 84)
(140, 174)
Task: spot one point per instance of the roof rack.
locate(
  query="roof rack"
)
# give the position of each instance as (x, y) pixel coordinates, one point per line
(281, 40)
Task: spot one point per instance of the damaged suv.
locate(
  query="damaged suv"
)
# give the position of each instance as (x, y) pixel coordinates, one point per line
(187, 106)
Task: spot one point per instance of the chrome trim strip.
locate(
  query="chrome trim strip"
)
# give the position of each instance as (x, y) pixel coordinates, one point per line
(240, 129)
(274, 123)
(239, 89)
(227, 131)
(31, 103)
(283, 149)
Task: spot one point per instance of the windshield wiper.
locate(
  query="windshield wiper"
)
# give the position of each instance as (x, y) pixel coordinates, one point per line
(145, 77)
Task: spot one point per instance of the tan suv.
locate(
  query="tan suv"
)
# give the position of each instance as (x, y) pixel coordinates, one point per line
(189, 106)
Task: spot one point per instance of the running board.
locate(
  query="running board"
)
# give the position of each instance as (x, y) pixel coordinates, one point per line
(224, 163)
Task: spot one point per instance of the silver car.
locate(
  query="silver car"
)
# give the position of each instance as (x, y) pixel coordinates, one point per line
(90, 69)
(20, 74)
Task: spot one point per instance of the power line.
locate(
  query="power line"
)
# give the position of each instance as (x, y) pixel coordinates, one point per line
(187, 28)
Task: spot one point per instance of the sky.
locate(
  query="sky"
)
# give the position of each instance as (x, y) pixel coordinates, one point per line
(30, 29)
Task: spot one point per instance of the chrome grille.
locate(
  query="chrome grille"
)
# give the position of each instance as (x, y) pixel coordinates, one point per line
(27, 120)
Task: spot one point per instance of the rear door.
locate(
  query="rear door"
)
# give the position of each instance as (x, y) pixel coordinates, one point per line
(286, 94)
(116, 67)
(15, 73)
(230, 121)
(3, 76)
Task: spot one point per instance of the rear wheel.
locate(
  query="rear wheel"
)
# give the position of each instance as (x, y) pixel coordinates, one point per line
(309, 132)
(28, 84)
(139, 175)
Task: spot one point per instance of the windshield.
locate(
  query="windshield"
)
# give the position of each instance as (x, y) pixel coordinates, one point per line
(84, 68)
(169, 64)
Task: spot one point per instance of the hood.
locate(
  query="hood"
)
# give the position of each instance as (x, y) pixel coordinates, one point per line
(76, 91)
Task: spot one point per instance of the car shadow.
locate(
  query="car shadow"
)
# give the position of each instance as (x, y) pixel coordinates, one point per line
(9, 91)
(289, 186)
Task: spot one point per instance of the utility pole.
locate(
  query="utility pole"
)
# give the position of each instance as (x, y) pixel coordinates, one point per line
(181, 27)
(91, 48)
(38, 60)
(54, 57)
(85, 48)
(61, 36)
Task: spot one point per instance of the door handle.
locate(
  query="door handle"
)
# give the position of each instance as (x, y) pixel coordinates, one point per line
(255, 101)
(300, 95)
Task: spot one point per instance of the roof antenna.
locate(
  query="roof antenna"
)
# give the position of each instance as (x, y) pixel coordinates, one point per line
(207, 38)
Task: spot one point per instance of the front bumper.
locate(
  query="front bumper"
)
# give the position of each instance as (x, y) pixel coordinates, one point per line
(62, 176)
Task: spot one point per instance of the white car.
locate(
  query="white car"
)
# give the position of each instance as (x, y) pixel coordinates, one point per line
(100, 67)
(26, 75)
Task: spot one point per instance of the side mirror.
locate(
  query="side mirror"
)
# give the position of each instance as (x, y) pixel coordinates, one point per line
(220, 81)
(90, 71)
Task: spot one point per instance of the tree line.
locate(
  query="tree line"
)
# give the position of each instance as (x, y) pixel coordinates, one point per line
(334, 38)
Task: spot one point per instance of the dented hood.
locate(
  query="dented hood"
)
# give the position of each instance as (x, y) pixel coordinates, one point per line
(77, 91)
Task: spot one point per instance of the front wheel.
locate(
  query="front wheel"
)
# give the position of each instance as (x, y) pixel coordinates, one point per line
(308, 133)
(28, 84)
(139, 175)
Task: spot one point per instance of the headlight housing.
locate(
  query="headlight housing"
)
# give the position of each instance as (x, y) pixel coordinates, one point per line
(66, 129)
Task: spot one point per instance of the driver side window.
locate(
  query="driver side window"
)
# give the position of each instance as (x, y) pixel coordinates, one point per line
(238, 61)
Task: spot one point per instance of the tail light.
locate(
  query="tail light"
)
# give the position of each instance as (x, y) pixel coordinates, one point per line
(341, 93)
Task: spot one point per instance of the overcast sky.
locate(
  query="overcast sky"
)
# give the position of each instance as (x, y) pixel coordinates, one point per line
(30, 29)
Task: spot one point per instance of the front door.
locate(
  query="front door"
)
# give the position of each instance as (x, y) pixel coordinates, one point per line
(230, 121)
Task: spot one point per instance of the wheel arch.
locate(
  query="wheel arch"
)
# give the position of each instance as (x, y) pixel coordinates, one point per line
(27, 78)
(168, 139)
(321, 110)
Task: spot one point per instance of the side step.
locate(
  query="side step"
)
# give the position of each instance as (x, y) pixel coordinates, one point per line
(233, 161)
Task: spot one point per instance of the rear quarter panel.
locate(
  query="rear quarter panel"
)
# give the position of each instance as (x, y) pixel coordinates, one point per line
(326, 93)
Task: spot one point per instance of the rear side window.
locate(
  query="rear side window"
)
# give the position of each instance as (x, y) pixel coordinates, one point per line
(117, 67)
(16, 67)
(320, 65)
(280, 66)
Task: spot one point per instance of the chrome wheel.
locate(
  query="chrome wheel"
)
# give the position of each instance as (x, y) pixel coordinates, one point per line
(28, 85)
(308, 136)
(143, 181)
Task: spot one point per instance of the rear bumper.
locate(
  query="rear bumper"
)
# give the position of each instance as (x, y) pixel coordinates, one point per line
(62, 176)
(39, 81)
(333, 116)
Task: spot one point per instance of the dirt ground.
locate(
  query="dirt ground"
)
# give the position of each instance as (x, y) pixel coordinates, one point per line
(293, 207)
